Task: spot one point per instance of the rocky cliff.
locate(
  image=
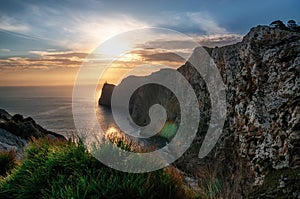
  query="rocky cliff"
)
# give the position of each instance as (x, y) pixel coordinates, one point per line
(261, 133)
(105, 99)
(16, 131)
(258, 154)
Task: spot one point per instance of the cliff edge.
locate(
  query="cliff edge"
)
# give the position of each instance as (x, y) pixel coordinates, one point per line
(258, 152)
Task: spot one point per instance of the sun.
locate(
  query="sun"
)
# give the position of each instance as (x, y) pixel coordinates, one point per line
(115, 47)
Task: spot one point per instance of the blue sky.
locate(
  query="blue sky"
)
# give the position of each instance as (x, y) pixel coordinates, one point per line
(31, 28)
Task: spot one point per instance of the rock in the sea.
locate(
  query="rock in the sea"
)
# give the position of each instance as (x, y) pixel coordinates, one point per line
(107, 90)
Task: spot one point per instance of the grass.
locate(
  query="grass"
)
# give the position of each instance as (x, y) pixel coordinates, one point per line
(60, 169)
(210, 183)
(7, 161)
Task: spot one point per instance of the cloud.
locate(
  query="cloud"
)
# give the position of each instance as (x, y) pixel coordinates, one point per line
(206, 23)
(187, 45)
(190, 22)
(77, 29)
(87, 32)
(64, 54)
(153, 52)
(218, 39)
(6, 50)
(170, 44)
(79, 55)
(158, 56)
(45, 61)
(82, 30)
(11, 24)
(152, 58)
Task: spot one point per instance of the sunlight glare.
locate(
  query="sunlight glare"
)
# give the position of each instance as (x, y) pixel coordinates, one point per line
(115, 48)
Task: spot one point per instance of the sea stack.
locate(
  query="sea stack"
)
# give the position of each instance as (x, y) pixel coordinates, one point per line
(105, 99)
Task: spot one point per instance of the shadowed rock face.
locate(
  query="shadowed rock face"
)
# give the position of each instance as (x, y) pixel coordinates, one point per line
(262, 132)
(105, 99)
(16, 131)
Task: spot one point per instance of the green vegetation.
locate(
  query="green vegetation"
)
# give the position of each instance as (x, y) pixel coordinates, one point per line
(60, 169)
(7, 161)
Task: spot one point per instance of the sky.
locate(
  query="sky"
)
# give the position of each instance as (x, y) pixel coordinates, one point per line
(45, 42)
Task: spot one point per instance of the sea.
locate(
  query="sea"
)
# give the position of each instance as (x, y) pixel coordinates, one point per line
(49, 106)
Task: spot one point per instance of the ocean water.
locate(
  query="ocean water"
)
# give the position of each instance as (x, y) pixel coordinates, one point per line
(51, 107)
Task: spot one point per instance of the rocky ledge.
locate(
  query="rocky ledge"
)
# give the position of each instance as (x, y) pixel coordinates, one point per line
(16, 131)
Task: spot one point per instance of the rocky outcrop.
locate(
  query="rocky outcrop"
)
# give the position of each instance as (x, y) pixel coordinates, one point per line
(11, 142)
(262, 128)
(261, 75)
(16, 131)
(105, 99)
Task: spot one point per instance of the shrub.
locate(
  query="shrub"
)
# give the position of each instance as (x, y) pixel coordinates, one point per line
(59, 169)
(7, 161)
(291, 24)
(278, 24)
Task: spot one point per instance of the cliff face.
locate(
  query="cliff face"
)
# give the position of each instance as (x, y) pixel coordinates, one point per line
(105, 99)
(262, 78)
(262, 129)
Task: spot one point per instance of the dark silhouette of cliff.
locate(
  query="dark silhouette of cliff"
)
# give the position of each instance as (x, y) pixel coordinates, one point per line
(105, 99)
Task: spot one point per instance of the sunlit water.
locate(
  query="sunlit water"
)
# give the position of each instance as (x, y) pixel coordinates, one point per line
(51, 107)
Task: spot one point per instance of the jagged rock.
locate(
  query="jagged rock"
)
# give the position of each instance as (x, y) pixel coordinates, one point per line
(4, 115)
(16, 131)
(10, 142)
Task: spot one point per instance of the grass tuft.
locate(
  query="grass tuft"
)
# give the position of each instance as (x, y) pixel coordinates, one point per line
(60, 169)
(7, 161)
